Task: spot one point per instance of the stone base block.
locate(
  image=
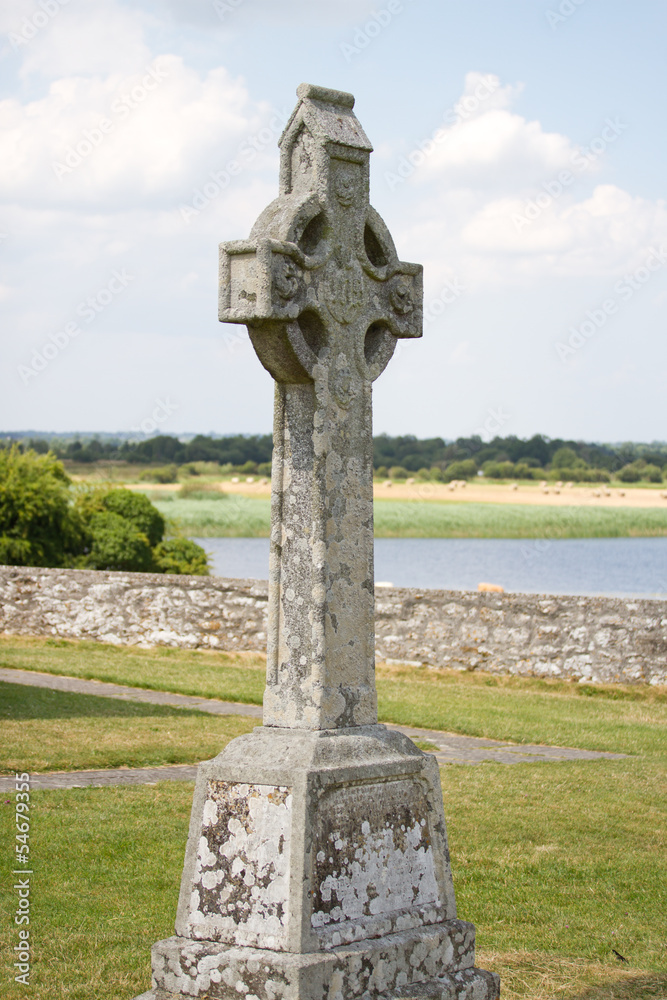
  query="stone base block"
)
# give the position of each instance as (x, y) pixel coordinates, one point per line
(435, 962)
(469, 984)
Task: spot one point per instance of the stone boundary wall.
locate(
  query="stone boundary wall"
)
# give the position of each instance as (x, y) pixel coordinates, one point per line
(597, 639)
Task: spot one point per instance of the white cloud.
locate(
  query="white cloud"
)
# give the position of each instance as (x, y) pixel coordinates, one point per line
(462, 355)
(501, 199)
(56, 38)
(603, 234)
(147, 139)
(13, 16)
(491, 147)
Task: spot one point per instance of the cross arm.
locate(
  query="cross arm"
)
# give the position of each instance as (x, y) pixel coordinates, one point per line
(399, 300)
(260, 281)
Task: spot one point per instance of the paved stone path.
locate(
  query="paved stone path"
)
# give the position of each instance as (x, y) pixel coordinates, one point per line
(451, 749)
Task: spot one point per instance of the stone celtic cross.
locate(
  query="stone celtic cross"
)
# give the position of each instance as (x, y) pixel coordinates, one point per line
(325, 298)
(317, 865)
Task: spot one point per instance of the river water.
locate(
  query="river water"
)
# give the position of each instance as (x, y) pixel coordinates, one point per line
(613, 566)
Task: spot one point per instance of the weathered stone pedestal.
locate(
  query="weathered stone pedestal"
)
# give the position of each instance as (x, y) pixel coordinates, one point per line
(317, 865)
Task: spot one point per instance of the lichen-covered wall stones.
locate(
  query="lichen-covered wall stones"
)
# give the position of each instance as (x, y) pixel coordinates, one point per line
(596, 639)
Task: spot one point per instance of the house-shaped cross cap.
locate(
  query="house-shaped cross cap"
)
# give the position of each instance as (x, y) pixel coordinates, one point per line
(319, 281)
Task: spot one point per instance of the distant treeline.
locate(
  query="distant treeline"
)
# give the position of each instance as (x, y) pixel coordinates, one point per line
(500, 458)
(536, 452)
(235, 450)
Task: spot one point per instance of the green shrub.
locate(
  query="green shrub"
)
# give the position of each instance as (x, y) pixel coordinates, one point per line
(579, 474)
(117, 544)
(629, 474)
(201, 491)
(165, 474)
(205, 469)
(566, 458)
(190, 469)
(38, 524)
(264, 469)
(498, 470)
(652, 473)
(524, 471)
(437, 474)
(589, 475)
(138, 510)
(382, 472)
(464, 469)
(248, 468)
(398, 472)
(42, 524)
(181, 555)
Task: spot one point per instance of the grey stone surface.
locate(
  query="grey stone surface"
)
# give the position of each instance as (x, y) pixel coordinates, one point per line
(325, 299)
(105, 778)
(468, 984)
(317, 866)
(317, 861)
(341, 795)
(597, 639)
(142, 609)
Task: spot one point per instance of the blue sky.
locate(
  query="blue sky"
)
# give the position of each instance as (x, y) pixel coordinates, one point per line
(539, 214)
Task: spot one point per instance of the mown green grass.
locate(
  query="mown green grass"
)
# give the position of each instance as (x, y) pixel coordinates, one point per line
(205, 673)
(621, 718)
(46, 730)
(236, 516)
(555, 863)
(610, 717)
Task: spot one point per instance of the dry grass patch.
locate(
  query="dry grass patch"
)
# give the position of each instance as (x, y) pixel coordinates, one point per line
(537, 976)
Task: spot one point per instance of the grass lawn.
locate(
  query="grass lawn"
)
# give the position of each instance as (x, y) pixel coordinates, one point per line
(56, 731)
(235, 516)
(205, 673)
(522, 709)
(556, 863)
